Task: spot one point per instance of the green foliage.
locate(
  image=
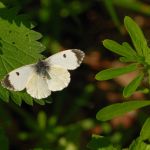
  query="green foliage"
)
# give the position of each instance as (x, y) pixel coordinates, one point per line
(138, 144)
(137, 37)
(111, 10)
(49, 131)
(42, 120)
(19, 46)
(136, 6)
(60, 130)
(100, 143)
(114, 72)
(124, 50)
(106, 143)
(132, 86)
(142, 142)
(119, 109)
(140, 57)
(145, 134)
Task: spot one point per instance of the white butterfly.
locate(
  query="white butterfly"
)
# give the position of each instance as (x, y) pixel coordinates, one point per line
(45, 76)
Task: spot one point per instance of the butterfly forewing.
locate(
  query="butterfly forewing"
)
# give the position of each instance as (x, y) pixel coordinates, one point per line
(17, 79)
(68, 59)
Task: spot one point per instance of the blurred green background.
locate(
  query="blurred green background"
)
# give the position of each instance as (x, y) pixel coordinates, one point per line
(68, 121)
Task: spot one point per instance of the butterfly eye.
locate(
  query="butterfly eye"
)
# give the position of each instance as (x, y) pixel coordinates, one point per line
(17, 73)
(64, 55)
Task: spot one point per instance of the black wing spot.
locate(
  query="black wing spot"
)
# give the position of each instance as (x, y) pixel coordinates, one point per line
(79, 54)
(13, 43)
(27, 35)
(6, 83)
(10, 31)
(64, 55)
(44, 77)
(17, 73)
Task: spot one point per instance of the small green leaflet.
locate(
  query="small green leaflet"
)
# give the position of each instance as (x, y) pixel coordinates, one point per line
(145, 134)
(114, 72)
(18, 47)
(139, 56)
(132, 86)
(138, 144)
(119, 109)
(137, 37)
(128, 47)
(142, 142)
(123, 50)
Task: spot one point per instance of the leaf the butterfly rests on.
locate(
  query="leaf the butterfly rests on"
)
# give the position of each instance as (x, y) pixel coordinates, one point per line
(18, 45)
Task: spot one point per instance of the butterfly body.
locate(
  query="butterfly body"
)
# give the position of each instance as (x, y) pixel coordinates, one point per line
(46, 75)
(42, 69)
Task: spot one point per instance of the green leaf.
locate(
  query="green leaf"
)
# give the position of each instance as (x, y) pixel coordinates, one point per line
(16, 97)
(40, 101)
(100, 143)
(114, 72)
(4, 94)
(18, 47)
(27, 98)
(137, 36)
(128, 59)
(138, 144)
(128, 46)
(119, 109)
(2, 5)
(132, 86)
(123, 50)
(147, 58)
(113, 14)
(145, 134)
(136, 59)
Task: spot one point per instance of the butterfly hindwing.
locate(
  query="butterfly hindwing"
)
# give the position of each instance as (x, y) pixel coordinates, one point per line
(17, 79)
(68, 59)
(59, 78)
(37, 87)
